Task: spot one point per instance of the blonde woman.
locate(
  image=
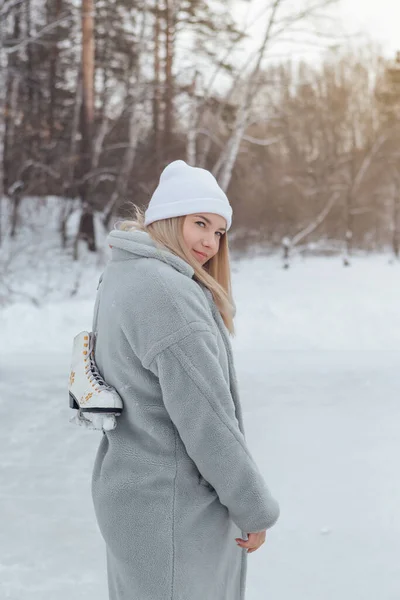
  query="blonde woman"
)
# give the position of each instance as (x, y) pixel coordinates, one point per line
(178, 498)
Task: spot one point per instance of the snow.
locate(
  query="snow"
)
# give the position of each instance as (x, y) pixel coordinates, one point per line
(317, 353)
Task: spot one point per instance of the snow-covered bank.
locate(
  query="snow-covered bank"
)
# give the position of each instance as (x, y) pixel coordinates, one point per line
(317, 304)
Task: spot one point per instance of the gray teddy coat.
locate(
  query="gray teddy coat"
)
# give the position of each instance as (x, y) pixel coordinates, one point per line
(174, 484)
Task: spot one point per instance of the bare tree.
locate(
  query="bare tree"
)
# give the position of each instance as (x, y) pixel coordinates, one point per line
(170, 38)
(157, 84)
(86, 225)
(191, 125)
(274, 28)
(396, 218)
(289, 244)
(354, 180)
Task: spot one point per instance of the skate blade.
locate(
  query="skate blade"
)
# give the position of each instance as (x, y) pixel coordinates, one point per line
(73, 403)
(101, 409)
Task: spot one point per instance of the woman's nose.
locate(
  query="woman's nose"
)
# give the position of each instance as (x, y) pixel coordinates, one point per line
(210, 241)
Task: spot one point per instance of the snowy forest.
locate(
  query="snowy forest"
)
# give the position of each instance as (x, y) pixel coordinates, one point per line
(97, 96)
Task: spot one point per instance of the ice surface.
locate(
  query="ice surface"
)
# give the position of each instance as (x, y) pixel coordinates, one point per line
(317, 355)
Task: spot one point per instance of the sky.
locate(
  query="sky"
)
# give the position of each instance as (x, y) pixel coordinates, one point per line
(375, 20)
(379, 19)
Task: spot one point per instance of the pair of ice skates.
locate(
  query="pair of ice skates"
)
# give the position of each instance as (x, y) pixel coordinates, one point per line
(97, 403)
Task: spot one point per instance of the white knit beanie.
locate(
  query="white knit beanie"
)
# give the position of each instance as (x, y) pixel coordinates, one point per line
(186, 190)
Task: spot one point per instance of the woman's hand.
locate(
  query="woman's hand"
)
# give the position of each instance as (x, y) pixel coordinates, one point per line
(253, 543)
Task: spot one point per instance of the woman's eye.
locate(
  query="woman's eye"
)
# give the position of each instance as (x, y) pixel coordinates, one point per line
(202, 223)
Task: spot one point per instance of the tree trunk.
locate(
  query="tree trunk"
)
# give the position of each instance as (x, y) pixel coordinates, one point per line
(396, 224)
(53, 11)
(232, 148)
(349, 231)
(88, 63)
(137, 103)
(226, 162)
(33, 110)
(191, 126)
(3, 78)
(6, 131)
(15, 198)
(289, 243)
(169, 84)
(69, 186)
(157, 88)
(11, 103)
(29, 58)
(86, 226)
(135, 120)
(67, 208)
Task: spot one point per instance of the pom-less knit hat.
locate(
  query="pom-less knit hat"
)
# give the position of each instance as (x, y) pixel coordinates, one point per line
(186, 190)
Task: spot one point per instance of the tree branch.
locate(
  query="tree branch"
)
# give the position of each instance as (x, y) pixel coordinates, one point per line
(46, 29)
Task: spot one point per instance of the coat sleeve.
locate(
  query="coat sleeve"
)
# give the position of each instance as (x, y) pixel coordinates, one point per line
(198, 400)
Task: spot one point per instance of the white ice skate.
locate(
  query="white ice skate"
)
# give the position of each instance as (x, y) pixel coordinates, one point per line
(98, 404)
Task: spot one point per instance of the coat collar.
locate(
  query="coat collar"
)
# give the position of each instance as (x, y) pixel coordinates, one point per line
(141, 244)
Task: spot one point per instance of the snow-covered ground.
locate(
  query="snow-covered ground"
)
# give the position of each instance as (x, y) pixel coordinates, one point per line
(317, 354)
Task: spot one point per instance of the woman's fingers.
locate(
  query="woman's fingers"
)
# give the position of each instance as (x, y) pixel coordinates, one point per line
(254, 541)
(253, 549)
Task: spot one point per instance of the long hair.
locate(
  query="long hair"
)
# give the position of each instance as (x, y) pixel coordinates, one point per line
(215, 274)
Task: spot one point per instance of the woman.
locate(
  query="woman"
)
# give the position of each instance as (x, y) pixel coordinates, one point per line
(174, 485)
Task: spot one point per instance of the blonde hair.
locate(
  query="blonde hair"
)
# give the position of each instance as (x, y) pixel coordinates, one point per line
(215, 274)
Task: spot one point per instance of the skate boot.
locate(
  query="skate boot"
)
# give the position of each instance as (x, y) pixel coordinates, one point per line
(98, 404)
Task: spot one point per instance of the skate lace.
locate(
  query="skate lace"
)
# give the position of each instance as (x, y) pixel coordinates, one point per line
(92, 372)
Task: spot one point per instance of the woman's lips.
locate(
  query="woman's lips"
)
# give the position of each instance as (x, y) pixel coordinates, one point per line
(201, 254)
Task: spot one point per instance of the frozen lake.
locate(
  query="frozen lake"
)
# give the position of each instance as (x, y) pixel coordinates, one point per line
(319, 376)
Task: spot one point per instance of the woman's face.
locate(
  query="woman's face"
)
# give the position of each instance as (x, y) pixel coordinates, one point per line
(202, 234)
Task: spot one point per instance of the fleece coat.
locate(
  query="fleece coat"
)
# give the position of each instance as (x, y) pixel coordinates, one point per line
(174, 484)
